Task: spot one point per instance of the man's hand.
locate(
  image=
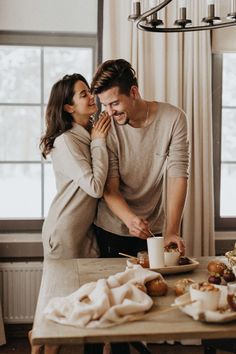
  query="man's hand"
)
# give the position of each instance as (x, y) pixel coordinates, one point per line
(139, 227)
(174, 238)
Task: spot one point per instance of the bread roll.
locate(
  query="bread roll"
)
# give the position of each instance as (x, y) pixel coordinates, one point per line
(157, 286)
(216, 266)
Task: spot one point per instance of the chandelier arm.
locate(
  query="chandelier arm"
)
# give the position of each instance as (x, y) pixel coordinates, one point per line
(157, 8)
(143, 24)
(185, 29)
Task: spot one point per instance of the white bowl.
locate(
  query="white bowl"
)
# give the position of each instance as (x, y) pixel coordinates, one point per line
(171, 258)
(209, 300)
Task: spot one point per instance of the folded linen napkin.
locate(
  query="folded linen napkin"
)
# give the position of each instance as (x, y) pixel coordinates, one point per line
(104, 303)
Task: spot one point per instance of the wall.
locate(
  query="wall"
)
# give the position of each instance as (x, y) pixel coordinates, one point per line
(49, 15)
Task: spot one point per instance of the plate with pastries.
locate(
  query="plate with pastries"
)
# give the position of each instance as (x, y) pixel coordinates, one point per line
(205, 301)
(213, 300)
(174, 262)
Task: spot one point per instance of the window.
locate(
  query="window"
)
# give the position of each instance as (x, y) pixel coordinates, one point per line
(224, 126)
(27, 73)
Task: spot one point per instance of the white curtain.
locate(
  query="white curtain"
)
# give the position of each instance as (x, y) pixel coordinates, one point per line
(175, 68)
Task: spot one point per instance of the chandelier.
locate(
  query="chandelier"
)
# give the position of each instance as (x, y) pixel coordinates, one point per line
(151, 21)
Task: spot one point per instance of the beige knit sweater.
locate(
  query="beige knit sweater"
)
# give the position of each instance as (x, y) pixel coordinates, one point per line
(80, 167)
(141, 157)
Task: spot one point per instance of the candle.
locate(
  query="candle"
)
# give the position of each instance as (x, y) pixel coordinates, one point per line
(156, 252)
(136, 8)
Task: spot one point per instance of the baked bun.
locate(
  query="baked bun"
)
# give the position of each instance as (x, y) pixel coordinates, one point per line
(157, 286)
(182, 286)
(216, 267)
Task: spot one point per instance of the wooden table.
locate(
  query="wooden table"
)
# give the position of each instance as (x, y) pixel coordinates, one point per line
(61, 278)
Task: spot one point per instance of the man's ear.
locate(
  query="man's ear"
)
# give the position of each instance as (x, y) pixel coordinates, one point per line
(68, 108)
(134, 91)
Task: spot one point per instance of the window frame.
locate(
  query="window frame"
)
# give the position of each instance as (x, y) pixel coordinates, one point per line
(221, 223)
(43, 39)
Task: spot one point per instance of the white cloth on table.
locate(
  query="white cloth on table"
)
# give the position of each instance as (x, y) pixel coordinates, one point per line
(104, 303)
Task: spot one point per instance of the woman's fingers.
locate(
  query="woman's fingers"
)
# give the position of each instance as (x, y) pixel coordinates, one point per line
(105, 127)
(103, 117)
(103, 124)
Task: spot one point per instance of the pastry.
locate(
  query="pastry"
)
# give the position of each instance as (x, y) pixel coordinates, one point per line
(182, 286)
(157, 286)
(216, 267)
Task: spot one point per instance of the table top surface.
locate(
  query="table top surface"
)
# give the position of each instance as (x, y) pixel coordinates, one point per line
(62, 277)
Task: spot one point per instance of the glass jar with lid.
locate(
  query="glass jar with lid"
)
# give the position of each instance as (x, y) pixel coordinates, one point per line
(143, 259)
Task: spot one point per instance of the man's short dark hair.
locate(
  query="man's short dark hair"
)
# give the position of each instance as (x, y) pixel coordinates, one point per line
(114, 73)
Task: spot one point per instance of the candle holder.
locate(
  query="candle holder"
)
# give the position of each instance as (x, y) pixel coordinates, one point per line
(150, 20)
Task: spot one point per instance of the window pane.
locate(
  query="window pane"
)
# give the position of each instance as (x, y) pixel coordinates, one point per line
(19, 74)
(27, 73)
(20, 190)
(228, 190)
(20, 133)
(61, 61)
(49, 187)
(228, 143)
(229, 80)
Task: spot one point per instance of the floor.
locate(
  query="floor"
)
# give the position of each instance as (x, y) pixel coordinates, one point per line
(21, 346)
(17, 343)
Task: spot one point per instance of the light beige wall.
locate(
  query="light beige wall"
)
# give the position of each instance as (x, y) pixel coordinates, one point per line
(49, 15)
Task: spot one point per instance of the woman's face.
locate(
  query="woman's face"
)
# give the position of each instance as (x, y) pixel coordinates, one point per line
(83, 101)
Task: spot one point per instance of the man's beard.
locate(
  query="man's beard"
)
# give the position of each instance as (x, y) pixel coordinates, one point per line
(126, 119)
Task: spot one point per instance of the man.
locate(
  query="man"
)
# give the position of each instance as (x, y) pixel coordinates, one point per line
(148, 151)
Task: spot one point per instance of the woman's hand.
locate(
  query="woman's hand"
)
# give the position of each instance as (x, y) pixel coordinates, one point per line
(101, 127)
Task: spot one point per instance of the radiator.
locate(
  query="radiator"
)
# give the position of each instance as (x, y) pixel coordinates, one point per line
(19, 288)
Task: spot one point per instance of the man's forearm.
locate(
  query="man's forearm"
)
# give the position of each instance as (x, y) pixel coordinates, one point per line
(176, 195)
(119, 207)
(137, 226)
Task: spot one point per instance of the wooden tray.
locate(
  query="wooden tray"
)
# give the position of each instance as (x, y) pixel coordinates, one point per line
(178, 268)
(173, 269)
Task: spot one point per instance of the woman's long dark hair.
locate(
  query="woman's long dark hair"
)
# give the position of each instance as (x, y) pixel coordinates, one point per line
(57, 119)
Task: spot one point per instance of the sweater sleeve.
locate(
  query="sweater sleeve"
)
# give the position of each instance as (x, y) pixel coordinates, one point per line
(178, 157)
(86, 166)
(112, 147)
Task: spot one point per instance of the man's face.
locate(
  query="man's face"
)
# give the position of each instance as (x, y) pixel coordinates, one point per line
(117, 105)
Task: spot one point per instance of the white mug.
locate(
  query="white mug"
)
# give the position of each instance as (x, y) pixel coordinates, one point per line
(156, 252)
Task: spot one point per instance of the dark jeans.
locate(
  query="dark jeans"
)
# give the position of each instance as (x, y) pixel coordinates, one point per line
(110, 244)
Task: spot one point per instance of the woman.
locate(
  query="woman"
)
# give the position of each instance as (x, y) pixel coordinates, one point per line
(80, 161)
